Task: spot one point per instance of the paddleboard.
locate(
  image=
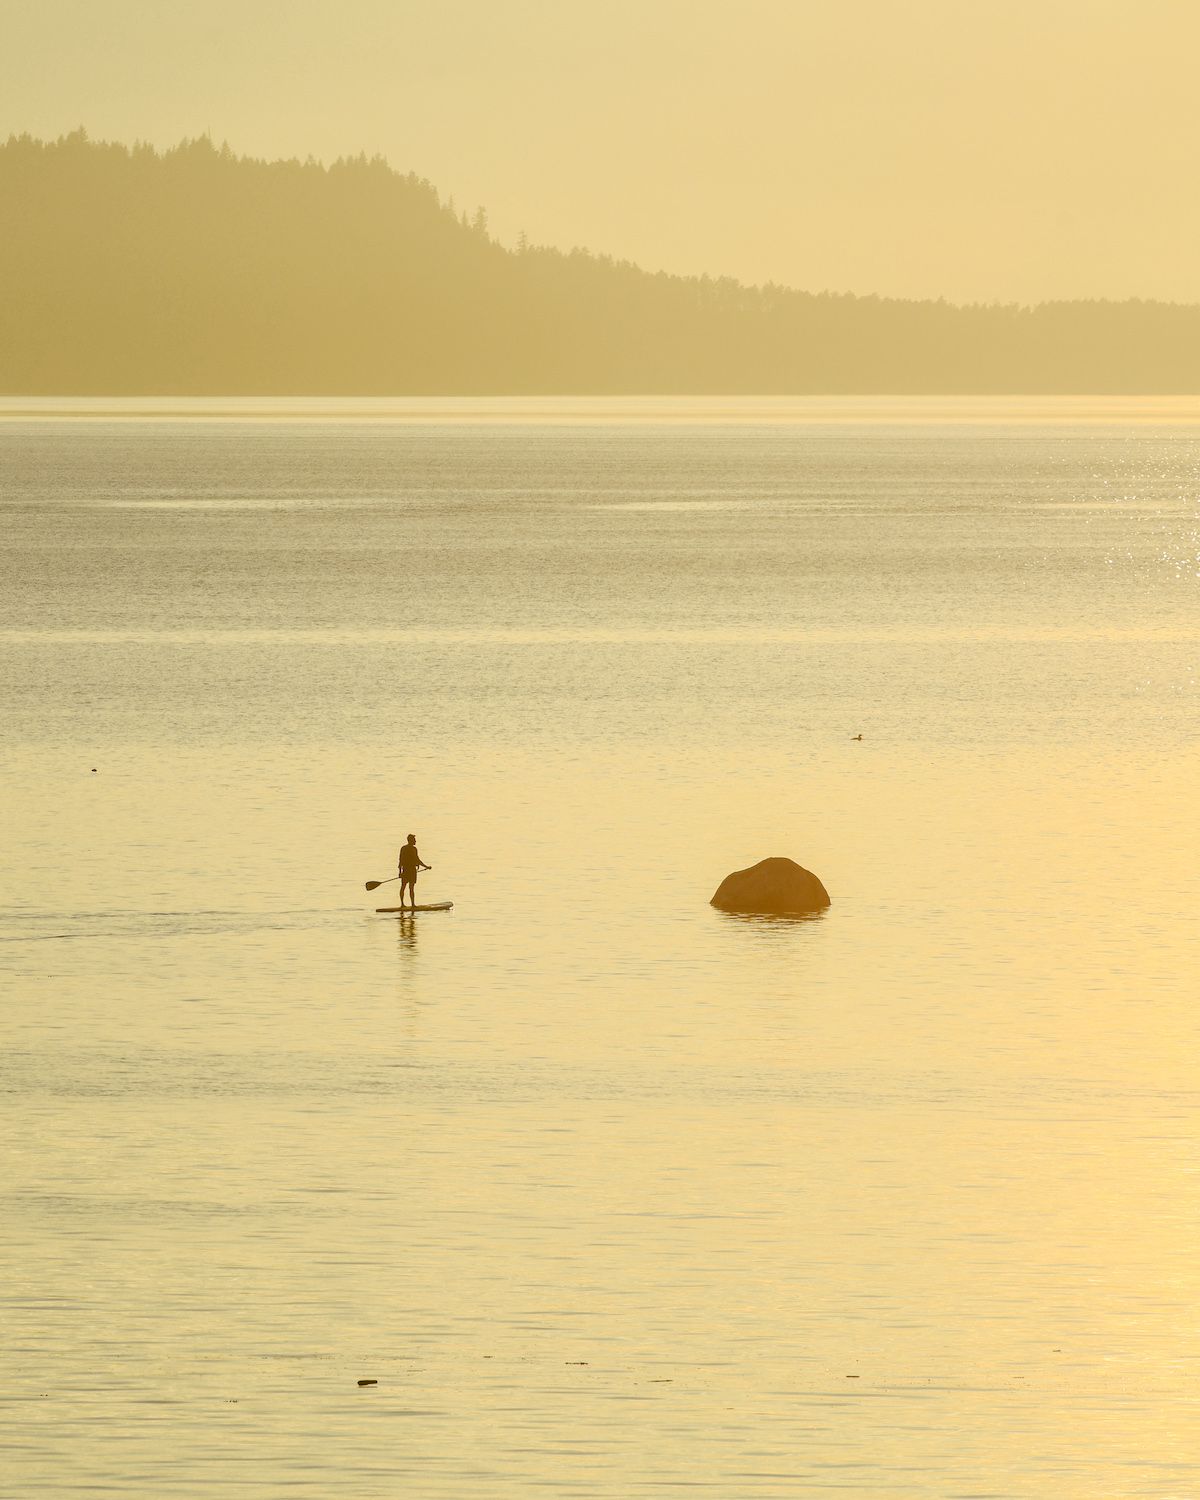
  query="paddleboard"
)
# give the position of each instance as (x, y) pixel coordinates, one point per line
(433, 906)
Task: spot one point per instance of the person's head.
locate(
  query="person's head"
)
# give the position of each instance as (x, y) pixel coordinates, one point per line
(412, 838)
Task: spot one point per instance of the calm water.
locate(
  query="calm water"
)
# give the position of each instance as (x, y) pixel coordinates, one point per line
(614, 1196)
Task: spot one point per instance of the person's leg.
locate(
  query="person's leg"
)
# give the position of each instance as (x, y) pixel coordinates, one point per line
(405, 884)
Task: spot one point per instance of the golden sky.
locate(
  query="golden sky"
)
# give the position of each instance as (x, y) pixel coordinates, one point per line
(1013, 149)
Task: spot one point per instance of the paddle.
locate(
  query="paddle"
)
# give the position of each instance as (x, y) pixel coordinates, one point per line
(373, 885)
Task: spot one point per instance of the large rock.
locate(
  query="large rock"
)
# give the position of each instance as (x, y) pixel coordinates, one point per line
(773, 887)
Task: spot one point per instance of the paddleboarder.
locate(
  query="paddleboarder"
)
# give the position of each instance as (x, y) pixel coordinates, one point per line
(410, 863)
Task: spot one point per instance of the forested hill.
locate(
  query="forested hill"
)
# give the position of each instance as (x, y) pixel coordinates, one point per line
(194, 271)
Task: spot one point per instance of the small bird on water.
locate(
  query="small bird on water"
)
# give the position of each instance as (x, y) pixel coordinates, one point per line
(856, 736)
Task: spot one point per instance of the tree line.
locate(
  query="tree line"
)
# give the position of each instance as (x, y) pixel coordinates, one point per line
(196, 271)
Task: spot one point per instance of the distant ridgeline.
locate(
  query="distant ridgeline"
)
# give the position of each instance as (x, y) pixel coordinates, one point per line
(199, 272)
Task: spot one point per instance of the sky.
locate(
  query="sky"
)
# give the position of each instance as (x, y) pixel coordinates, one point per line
(980, 150)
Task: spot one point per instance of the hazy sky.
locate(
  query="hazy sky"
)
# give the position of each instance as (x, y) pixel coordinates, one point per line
(1016, 149)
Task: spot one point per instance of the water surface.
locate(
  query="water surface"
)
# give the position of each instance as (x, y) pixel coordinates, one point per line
(614, 1196)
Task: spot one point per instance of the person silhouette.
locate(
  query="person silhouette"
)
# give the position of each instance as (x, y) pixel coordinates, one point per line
(410, 863)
